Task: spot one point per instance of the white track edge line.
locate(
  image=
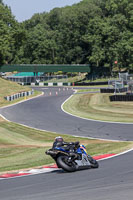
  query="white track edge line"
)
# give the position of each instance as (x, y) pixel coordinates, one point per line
(119, 154)
(56, 133)
(29, 174)
(63, 111)
(76, 136)
(50, 170)
(110, 122)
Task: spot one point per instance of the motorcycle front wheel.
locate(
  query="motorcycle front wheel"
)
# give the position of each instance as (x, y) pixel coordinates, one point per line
(62, 161)
(94, 163)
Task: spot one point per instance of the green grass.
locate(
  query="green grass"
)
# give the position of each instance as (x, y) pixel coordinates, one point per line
(69, 79)
(10, 88)
(78, 78)
(88, 90)
(22, 147)
(105, 79)
(97, 106)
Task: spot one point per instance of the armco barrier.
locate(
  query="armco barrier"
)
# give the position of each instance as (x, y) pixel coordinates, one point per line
(47, 84)
(66, 84)
(121, 97)
(112, 90)
(90, 83)
(18, 95)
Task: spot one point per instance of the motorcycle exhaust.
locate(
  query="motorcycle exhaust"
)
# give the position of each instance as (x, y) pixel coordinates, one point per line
(52, 153)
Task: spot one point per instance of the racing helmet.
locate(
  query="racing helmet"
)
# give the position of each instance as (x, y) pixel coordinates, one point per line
(59, 139)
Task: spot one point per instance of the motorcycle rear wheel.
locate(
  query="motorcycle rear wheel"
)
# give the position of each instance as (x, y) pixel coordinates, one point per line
(62, 162)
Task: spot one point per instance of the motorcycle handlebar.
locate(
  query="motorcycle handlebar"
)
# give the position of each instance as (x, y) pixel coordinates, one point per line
(72, 143)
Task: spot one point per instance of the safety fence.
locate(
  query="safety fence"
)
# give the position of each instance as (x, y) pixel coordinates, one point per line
(113, 90)
(64, 84)
(91, 83)
(47, 84)
(127, 97)
(19, 95)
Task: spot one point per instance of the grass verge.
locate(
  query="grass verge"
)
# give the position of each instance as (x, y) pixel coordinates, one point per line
(97, 106)
(88, 90)
(22, 147)
(67, 79)
(10, 88)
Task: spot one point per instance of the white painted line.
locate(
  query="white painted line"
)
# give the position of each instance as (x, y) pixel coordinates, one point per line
(99, 139)
(28, 126)
(4, 118)
(110, 122)
(63, 134)
(46, 170)
(56, 132)
(122, 153)
(18, 176)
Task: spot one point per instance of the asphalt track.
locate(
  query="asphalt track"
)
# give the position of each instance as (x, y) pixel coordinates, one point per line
(113, 180)
(45, 113)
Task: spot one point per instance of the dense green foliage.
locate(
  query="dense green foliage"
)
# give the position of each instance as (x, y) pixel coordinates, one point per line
(93, 31)
(11, 35)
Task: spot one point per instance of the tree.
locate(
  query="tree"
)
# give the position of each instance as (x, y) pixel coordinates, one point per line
(97, 32)
(10, 35)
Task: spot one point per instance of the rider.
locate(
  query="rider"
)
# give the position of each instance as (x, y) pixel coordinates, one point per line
(60, 142)
(70, 145)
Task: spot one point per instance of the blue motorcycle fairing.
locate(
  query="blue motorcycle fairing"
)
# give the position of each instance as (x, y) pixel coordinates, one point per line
(61, 149)
(81, 151)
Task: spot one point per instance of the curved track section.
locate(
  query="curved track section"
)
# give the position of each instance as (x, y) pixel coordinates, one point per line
(45, 113)
(113, 180)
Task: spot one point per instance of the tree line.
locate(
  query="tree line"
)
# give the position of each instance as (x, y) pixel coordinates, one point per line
(96, 32)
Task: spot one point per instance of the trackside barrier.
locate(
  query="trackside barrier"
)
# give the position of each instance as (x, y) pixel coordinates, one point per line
(121, 98)
(112, 90)
(60, 84)
(90, 83)
(19, 95)
(40, 84)
(47, 84)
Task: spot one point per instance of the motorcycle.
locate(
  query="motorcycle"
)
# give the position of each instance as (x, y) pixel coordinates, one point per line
(71, 159)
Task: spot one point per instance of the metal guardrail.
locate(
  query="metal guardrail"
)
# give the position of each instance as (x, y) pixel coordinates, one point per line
(127, 97)
(113, 90)
(19, 95)
(48, 84)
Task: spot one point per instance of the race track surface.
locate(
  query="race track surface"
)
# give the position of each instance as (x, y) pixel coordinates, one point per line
(45, 113)
(113, 180)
